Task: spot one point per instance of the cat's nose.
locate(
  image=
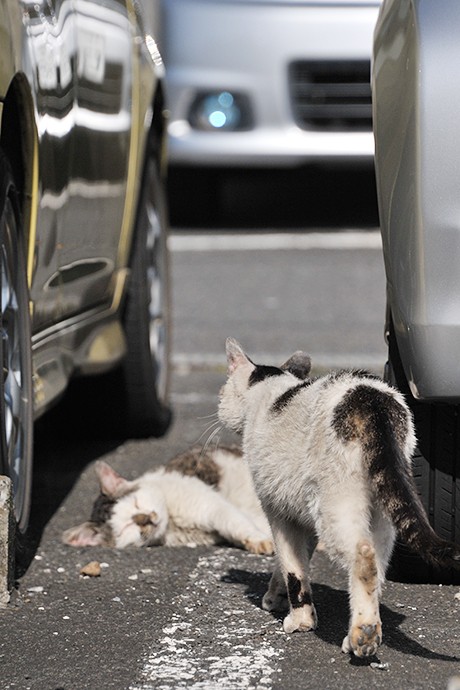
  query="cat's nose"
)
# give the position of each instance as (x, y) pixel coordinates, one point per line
(142, 519)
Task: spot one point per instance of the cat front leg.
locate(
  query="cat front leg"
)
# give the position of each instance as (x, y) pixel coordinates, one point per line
(293, 548)
(365, 632)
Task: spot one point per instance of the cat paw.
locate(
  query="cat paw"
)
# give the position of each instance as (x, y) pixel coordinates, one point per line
(300, 620)
(363, 640)
(275, 602)
(263, 547)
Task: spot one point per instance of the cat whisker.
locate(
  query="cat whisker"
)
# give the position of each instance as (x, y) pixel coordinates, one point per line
(208, 416)
(208, 429)
(211, 437)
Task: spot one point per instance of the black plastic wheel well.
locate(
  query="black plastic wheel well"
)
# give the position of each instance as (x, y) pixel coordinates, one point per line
(158, 126)
(17, 136)
(12, 135)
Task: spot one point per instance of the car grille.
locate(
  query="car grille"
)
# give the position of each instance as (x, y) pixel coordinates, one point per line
(331, 95)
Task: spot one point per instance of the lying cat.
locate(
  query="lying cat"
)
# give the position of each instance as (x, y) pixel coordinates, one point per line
(331, 460)
(200, 497)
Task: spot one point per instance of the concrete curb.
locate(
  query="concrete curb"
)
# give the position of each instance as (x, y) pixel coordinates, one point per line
(7, 530)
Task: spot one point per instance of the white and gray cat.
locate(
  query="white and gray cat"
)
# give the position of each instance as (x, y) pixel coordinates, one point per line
(331, 460)
(201, 497)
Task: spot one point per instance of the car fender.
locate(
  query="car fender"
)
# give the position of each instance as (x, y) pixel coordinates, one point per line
(416, 110)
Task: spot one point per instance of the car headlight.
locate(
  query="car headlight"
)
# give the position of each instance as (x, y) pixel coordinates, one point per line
(220, 110)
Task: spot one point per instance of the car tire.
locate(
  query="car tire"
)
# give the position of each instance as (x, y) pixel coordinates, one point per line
(436, 469)
(146, 316)
(16, 391)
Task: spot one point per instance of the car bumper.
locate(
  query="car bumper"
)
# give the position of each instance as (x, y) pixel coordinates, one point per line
(266, 147)
(210, 47)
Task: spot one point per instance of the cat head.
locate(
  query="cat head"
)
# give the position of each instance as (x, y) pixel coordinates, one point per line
(126, 513)
(243, 374)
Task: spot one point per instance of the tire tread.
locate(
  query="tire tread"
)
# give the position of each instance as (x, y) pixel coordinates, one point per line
(436, 470)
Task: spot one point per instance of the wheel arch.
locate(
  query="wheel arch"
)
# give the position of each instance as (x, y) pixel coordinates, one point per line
(158, 129)
(154, 144)
(18, 140)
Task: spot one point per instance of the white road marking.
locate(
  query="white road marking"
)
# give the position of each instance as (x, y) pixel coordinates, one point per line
(202, 649)
(184, 362)
(230, 241)
(194, 399)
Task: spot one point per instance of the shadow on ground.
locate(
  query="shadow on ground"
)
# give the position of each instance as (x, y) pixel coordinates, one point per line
(333, 612)
(302, 198)
(67, 439)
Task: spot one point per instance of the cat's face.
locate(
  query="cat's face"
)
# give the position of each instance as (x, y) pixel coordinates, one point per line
(139, 518)
(243, 374)
(125, 513)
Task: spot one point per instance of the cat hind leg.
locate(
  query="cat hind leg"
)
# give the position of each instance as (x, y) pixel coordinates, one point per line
(365, 632)
(302, 615)
(261, 547)
(294, 547)
(223, 517)
(276, 598)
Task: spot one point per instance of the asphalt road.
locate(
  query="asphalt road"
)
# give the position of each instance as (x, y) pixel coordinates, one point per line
(280, 292)
(191, 617)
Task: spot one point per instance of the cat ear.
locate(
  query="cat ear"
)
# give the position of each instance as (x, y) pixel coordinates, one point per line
(112, 484)
(299, 364)
(235, 355)
(86, 534)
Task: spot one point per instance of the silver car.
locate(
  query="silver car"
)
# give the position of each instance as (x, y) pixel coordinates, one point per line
(416, 100)
(84, 279)
(268, 82)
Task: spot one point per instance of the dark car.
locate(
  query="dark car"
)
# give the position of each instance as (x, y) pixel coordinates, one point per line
(84, 281)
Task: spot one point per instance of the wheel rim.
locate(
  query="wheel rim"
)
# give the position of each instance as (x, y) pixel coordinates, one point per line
(156, 287)
(16, 368)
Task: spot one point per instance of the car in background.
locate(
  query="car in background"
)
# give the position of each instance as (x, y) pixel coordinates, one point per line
(268, 82)
(83, 220)
(416, 103)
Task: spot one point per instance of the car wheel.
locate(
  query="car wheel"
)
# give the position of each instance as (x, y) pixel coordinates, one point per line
(436, 468)
(16, 401)
(146, 318)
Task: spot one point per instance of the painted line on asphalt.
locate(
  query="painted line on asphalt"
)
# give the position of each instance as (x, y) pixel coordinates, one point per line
(230, 241)
(194, 398)
(184, 362)
(205, 649)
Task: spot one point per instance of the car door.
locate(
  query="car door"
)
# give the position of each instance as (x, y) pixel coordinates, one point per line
(49, 58)
(93, 217)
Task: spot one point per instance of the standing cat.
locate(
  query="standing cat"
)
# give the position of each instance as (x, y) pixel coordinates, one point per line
(331, 460)
(198, 497)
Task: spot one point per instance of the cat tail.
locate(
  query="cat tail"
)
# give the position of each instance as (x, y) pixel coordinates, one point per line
(382, 424)
(395, 487)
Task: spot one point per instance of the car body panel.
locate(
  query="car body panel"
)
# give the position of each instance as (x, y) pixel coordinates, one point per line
(247, 47)
(416, 112)
(83, 76)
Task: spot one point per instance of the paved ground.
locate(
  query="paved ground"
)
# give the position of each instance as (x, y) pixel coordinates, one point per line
(191, 618)
(166, 619)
